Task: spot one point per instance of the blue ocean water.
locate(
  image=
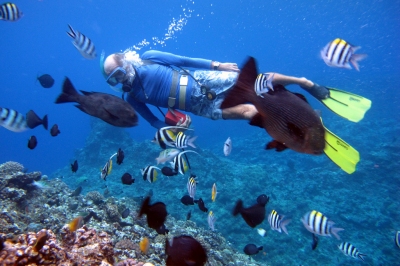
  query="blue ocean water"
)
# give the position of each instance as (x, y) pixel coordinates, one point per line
(284, 37)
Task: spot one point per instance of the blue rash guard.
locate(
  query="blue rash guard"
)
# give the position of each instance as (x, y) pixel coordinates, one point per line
(156, 80)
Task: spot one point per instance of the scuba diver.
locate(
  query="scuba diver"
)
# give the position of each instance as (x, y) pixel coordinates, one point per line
(161, 79)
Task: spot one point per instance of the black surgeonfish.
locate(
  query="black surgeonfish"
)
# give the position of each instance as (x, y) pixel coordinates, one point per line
(54, 131)
(168, 171)
(32, 142)
(125, 213)
(185, 250)
(74, 166)
(290, 120)
(187, 200)
(107, 107)
(201, 205)
(156, 213)
(76, 192)
(127, 179)
(253, 215)
(46, 81)
(252, 249)
(33, 120)
(120, 156)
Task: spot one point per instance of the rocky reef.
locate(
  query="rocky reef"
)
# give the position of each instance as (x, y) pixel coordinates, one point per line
(34, 227)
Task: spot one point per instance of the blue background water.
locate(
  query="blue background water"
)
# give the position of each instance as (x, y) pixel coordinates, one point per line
(284, 36)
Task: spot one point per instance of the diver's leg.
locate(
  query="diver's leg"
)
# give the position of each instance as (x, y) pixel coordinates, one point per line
(288, 80)
(241, 111)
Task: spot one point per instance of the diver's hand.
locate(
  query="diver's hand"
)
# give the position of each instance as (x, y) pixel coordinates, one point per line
(185, 124)
(233, 67)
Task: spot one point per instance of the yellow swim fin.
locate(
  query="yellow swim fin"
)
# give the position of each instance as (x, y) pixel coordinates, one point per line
(348, 105)
(340, 152)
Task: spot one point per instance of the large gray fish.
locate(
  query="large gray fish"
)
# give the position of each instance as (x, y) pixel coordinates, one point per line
(286, 116)
(107, 107)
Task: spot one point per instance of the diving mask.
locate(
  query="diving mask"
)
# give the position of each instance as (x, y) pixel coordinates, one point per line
(116, 76)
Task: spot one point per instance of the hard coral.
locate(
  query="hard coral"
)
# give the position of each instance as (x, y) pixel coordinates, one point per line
(95, 196)
(113, 213)
(125, 244)
(10, 167)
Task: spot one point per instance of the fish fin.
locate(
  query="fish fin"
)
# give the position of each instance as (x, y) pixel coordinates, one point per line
(71, 33)
(244, 87)
(260, 248)
(361, 256)
(80, 107)
(275, 145)
(295, 130)
(335, 231)
(114, 117)
(238, 207)
(301, 96)
(69, 93)
(355, 58)
(190, 142)
(144, 207)
(86, 92)
(283, 225)
(257, 120)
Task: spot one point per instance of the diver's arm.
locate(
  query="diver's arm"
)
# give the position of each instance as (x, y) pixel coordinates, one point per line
(145, 112)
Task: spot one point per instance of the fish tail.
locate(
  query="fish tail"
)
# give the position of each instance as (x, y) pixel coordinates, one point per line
(355, 58)
(335, 231)
(71, 33)
(361, 256)
(283, 225)
(45, 122)
(243, 90)
(238, 207)
(190, 142)
(69, 93)
(145, 206)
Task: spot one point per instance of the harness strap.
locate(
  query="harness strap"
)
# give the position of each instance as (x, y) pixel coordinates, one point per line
(182, 91)
(172, 93)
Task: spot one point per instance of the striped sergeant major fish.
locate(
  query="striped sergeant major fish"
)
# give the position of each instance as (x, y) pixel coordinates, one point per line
(263, 83)
(84, 45)
(15, 121)
(277, 223)
(317, 223)
(211, 220)
(180, 164)
(350, 250)
(10, 12)
(183, 141)
(106, 169)
(150, 173)
(339, 53)
(191, 186)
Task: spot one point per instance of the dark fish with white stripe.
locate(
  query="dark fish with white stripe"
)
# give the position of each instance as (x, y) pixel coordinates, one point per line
(10, 12)
(149, 173)
(317, 223)
(339, 53)
(286, 117)
(191, 186)
(183, 141)
(277, 223)
(350, 250)
(107, 107)
(32, 142)
(263, 84)
(179, 164)
(84, 45)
